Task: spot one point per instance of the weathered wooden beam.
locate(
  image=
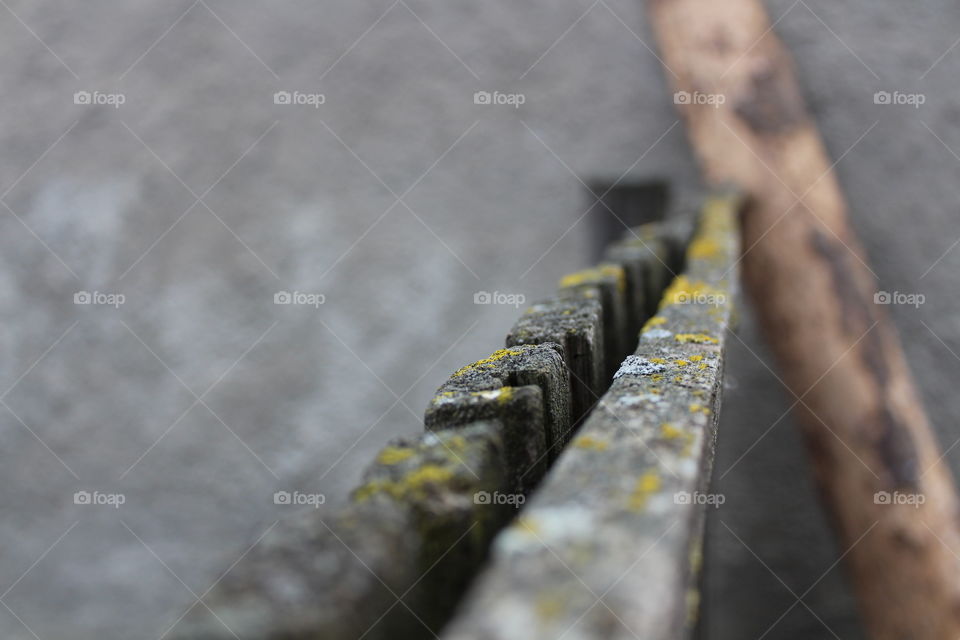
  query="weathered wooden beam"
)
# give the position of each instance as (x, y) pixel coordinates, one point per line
(390, 564)
(609, 546)
(394, 562)
(575, 322)
(863, 421)
(497, 388)
(608, 283)
(644, 255)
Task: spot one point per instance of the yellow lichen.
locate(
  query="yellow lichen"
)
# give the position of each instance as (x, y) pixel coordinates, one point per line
(658, 361)
(362, 494)
(617, 272)
(678, 378)
(456, 444)
(428, 474)
(678, 286)
(699, 408)
(719, 215)
(704, 247)
(670, 432)
(656, 377)
(696, 358)
(487, 362)
(647, 485)
(394, 455)
(696, 338)
(596, 275)
(412, 484)
(683, 290)
(655, 321)
(440, 397)
(681, 363)
(586, 442)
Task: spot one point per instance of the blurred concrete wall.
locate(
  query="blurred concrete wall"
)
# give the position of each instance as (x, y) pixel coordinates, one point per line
(198, 199)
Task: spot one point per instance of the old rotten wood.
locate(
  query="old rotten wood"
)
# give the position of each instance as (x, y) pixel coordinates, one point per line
(876, 459)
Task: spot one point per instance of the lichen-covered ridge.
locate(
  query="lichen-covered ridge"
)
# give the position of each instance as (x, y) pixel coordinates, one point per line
(572, 415)
(621, 511)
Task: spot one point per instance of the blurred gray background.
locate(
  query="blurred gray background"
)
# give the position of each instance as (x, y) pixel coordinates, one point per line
(199, 198)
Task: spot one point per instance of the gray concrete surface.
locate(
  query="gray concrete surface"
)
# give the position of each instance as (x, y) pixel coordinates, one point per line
(302, 199)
